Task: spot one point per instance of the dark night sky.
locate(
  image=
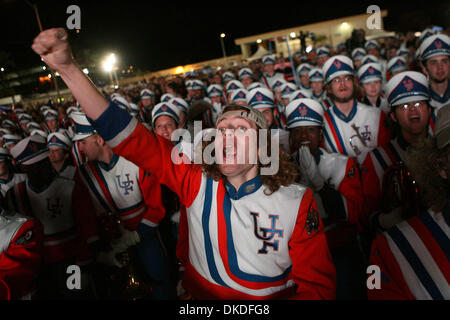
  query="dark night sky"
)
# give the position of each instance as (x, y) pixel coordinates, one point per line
(153, 38)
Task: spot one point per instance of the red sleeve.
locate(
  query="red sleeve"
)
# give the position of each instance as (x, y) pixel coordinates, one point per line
(151, 192)
(393, 285)
(312, 266)
(384, 133)
(370, 188)
(19, 264)
(350, 189)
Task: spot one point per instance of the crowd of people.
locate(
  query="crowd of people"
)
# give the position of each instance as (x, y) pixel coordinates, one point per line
(362, 180)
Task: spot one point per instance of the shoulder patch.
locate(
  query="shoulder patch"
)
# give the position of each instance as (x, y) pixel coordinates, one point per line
(312, 221)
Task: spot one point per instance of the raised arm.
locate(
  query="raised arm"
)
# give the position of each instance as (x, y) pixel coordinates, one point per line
(53, 47)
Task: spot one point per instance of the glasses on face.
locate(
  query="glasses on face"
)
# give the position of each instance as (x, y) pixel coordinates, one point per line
(343, 79)
(412, 105)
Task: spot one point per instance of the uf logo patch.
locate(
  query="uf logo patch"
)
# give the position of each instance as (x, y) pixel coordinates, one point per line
(267, 234)
(127, 185)
(55, 208)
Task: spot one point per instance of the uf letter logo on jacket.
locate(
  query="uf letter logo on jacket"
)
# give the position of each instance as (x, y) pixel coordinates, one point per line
(267, 234)
(127, 185)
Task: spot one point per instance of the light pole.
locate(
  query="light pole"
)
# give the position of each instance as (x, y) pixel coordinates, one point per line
(55, 81)
(222, 35)
(109, 66)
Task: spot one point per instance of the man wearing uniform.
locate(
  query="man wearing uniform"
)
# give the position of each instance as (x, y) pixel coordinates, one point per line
(408, 96)
(119, 187)
(335, 180)
(270, 76)
(263, 100)
(413, 255)
(318, 92)
(59, 146)
(8, 178)
(63, 208)
(370, 80)
(146, 104)
(351, 128)
(435, 61)
(285, 252)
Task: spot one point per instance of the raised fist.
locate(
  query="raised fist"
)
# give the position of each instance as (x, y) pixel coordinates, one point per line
(53, 47)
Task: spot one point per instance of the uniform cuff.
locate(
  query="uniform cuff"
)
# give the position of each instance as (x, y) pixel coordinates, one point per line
(114, 125)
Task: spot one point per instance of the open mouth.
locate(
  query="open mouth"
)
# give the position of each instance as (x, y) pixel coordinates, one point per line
(414, 119)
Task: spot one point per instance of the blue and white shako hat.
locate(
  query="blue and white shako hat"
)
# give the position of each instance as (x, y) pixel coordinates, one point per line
(396, 64)
(70, 110)
(9, 139)
(214, 90)
(299, 94)
(322, 52)
(276, 86)
(18, 110)
(304, 68)
(165, 109)
(59, 140)
(358, 54)
(402, 51)
(50, 114)
(82, 126)
(436, 45)
(269, 59)
(30, 150)
(370, 72)
(337, 66)
(245, 72)
(234, 85)
(42, 133)
(197, 85)
(287, 89)
(33, 126)
(25, 118)
(228, 76)
(254, 85)
(8, 124)
(179, 103)
(371, 44)
(5, 155)
(425, 34)
(239, 95)
(304, 112)
(407, 86)
(369, 59)
(134, 109)
(4, 131)
(147, 94)
(260, 98)
(315, 75)
(166, 97)
(121, 102)
(44, 108)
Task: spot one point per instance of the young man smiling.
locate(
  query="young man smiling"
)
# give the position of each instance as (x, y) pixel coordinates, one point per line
(250, 236)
